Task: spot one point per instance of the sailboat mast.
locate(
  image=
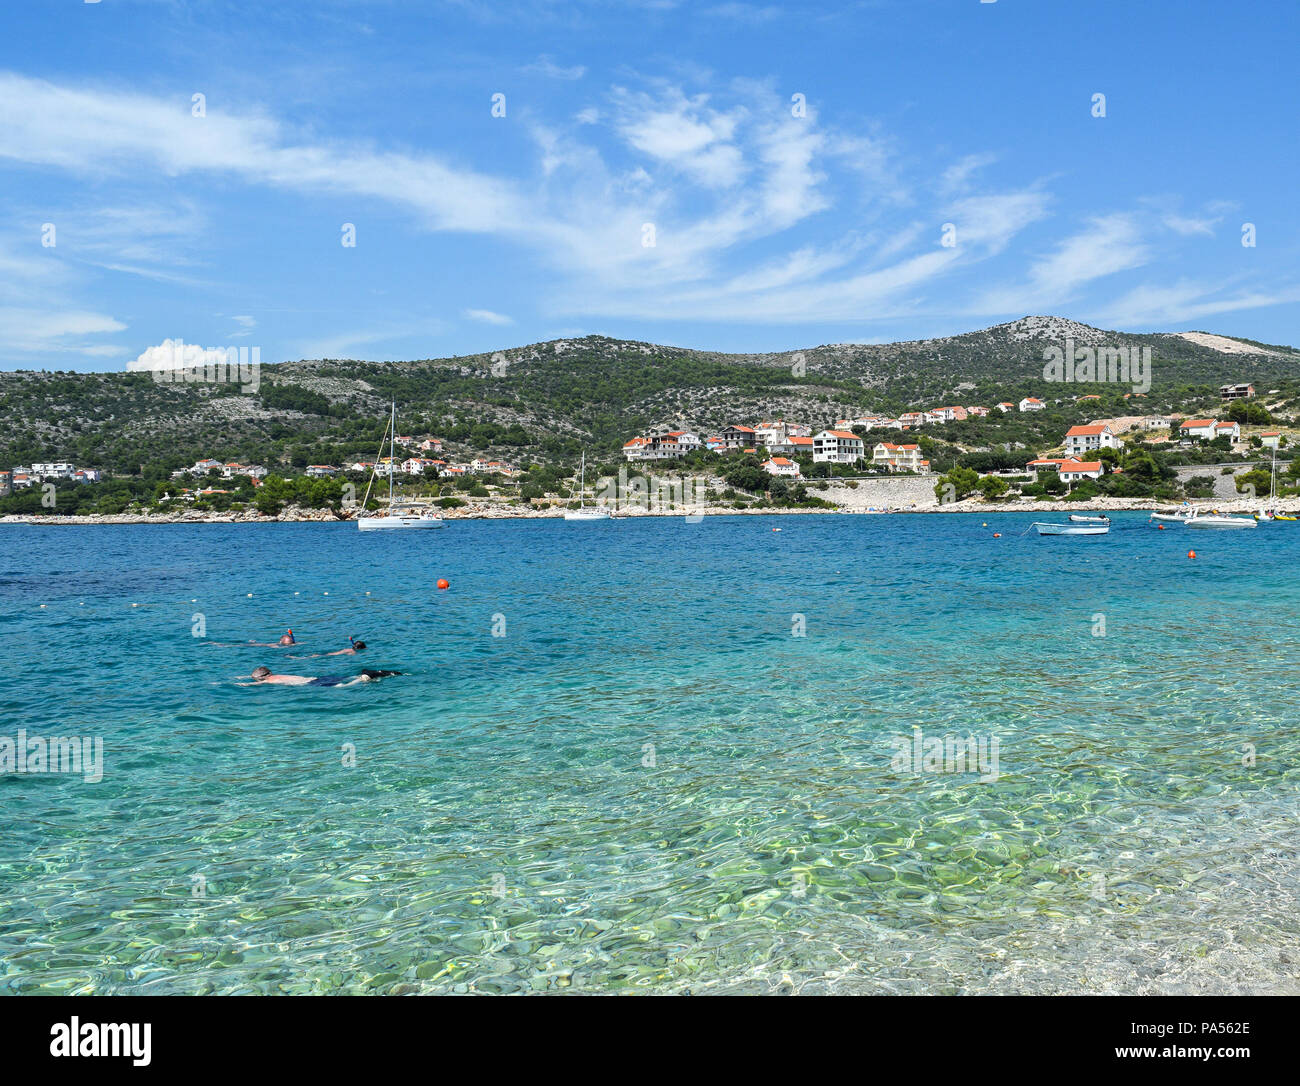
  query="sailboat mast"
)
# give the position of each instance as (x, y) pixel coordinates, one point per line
(392, 452)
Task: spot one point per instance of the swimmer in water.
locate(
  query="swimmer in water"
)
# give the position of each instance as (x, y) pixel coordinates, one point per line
(286, 641)
(354, 647)
(266, 675)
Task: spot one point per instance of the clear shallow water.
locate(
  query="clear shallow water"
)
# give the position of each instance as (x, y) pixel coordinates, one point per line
(503, 831)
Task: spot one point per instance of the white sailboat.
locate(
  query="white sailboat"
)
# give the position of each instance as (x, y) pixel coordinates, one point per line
(595, 512)
(398, 514)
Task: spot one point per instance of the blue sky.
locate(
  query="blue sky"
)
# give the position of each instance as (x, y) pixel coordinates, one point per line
(771, 230)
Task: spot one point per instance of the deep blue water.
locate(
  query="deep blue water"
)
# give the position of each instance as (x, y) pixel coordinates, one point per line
(649, 782)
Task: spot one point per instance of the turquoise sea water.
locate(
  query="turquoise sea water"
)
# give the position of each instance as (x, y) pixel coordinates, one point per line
(649, 783)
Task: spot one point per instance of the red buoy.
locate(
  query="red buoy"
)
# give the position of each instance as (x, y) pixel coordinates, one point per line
(997, 535)
(443, 583)
(1191, 554)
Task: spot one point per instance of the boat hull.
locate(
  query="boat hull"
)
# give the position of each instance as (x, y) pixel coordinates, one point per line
(379, 524)
(587, 514)
(1071, 529)
(1219, 523)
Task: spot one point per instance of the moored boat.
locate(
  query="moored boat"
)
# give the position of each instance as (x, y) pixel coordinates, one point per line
(1070, 529)
(585, 511)
(398, 514)
(1217, 520)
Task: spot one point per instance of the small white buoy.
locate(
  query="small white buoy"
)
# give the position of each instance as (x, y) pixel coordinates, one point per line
(250, 595)
(324, 593)
(367, 593)
(135, 605)
(42, 607)
(295, 593)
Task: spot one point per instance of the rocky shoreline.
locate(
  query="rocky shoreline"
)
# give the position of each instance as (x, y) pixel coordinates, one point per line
(488, 511)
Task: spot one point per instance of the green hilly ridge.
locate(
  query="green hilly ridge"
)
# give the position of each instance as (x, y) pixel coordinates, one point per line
(548, 401)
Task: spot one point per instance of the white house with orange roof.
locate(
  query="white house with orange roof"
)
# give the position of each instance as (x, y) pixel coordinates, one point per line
(897, 457)
(950, 414)
(1006, 406)
(1031, 403)
(780, 465)
(912, 418)
(1074, 470)
(837, 447)
(1070, 469)
(1083, 439)
(1199, 429)
(978, 412)
(635, 449)
(417, 465)
(1229, 429)
(793, 445)
(1271, 439)
(767, 432)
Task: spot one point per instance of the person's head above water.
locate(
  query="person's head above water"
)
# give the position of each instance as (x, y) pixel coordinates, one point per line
(260, 673)
(357, 646)
(287, 638)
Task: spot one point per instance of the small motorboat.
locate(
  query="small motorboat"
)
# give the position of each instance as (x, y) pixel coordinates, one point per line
(1218, 520)
(1170, 518)
(1070, 529)
(1077, 518)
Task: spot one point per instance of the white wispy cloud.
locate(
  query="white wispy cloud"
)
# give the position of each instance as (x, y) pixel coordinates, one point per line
(1165, 306)
(1107, 245)
(487, 316)
(546, 65)
(49, 329)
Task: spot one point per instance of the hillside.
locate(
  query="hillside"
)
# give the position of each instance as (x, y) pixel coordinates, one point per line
(547, 401)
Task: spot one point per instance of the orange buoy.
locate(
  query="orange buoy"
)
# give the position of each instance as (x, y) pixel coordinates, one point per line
(1191, 554)
(1161, 527)
(443, 583)
(997, 535)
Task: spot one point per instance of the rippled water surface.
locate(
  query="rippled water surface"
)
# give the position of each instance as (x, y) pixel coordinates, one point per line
(649, 783)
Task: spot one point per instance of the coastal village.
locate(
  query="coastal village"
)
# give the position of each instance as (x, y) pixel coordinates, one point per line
(780, 442)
